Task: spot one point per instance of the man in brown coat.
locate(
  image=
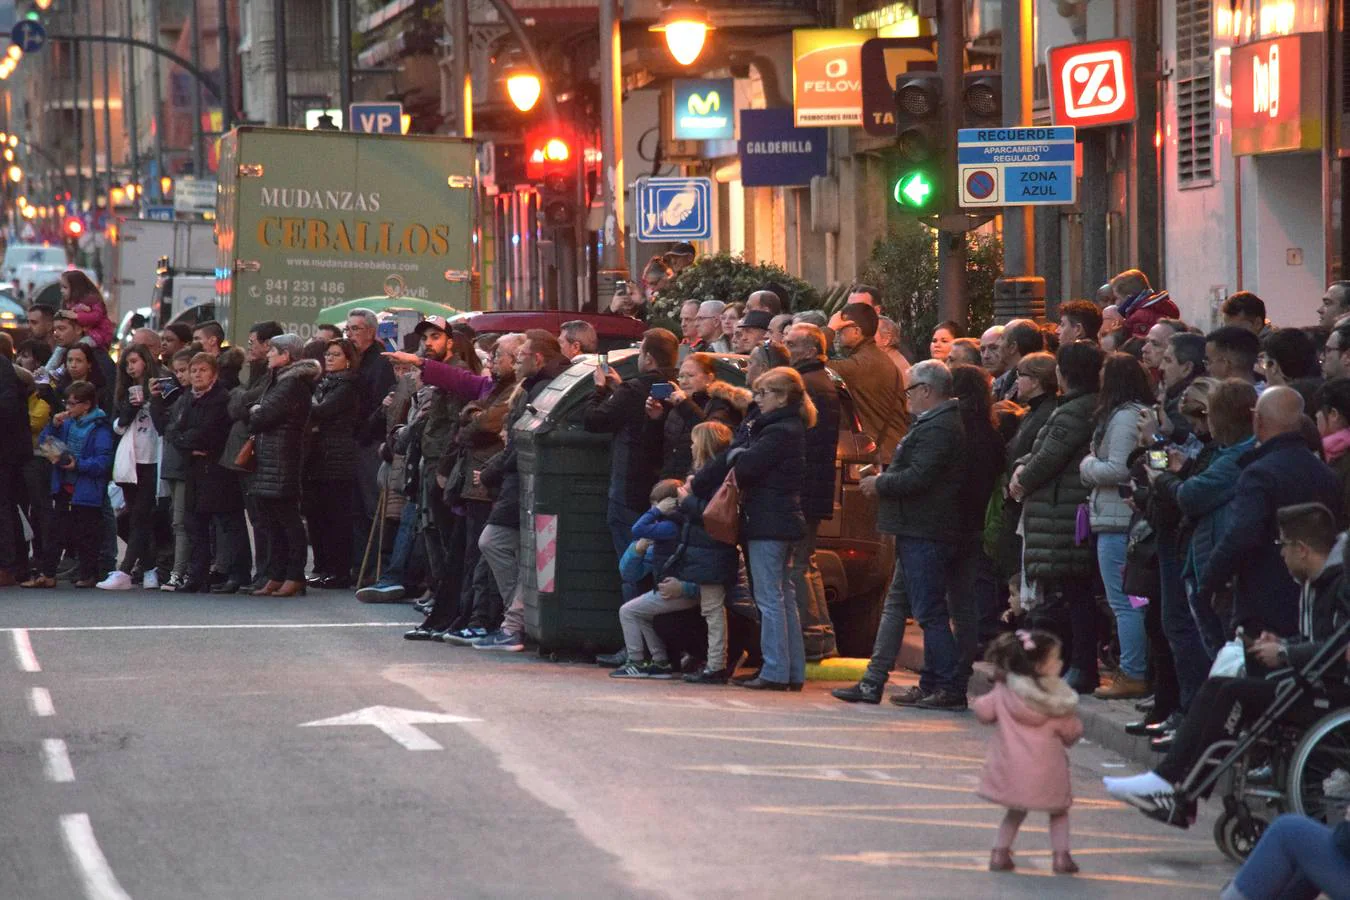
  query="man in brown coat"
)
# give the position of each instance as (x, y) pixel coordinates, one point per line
(872, 379)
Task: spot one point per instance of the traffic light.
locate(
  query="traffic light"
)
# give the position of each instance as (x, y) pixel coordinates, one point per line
(917, 189)
(918, 115)
(72, 229)
(982, 100)
(551, 160)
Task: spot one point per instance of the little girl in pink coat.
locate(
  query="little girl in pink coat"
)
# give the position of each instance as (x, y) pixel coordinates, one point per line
(1034, 713)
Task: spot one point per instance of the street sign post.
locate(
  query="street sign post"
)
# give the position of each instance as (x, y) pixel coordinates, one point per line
(28, 36)
(674, 209)
(1016, 166)
(376, 118)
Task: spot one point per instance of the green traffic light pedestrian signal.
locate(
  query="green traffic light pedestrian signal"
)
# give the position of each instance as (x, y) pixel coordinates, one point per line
(915, 190)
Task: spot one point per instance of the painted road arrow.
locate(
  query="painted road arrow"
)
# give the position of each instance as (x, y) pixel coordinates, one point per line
(397, 723)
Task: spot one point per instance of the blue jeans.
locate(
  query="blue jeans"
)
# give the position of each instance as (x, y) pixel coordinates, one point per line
(620, 520)
(1189, 655)
(403, 547)
(928, 567)
(1129, 621)
(780, 627)
(1294, 860)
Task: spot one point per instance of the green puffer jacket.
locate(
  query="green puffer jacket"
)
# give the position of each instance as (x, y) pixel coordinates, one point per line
(1054, 491)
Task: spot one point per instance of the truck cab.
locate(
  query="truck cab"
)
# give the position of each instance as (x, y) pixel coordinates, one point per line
(182, 295)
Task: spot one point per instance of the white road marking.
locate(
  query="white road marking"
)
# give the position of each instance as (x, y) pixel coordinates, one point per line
(96, 877)
(217, 627)
(40, 701)
(397, 723)
(56, 761)
(23, 651)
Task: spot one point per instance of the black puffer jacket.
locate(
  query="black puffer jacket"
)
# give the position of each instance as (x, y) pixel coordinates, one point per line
(331, 451)
(822, 442)
(721, 402)
(278, 421)
(770, 467)
(173, 466)
(919, 494)
(242, 398)
(197, 429)
(1054, 491)
(374, 380)
(635, 460)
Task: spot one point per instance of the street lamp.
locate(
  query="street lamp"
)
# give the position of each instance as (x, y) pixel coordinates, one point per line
(522, 85)
(686, 28)
(15, 174)
(165, 185)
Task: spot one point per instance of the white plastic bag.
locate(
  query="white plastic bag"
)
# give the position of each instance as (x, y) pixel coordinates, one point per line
(1231, 660)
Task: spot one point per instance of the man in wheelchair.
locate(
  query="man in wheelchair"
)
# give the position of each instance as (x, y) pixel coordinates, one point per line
(1225, 707)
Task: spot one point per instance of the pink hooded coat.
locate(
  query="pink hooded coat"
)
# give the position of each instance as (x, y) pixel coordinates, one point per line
(1027, 766)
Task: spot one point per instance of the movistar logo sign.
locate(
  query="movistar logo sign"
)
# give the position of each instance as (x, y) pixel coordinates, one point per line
(709, 103)
(705, 109)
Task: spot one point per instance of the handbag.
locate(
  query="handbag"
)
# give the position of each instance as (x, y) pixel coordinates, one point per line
(1142, 577)
(1082, 525)
(247, 459)
(722, 515)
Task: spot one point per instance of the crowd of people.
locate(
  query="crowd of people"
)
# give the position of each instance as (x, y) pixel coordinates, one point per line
(1099, 504)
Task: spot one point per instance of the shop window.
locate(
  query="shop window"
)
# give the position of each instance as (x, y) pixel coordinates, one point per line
(1195, 93)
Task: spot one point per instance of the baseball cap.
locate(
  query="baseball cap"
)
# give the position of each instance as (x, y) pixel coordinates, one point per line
(437, 322)
(755, 318)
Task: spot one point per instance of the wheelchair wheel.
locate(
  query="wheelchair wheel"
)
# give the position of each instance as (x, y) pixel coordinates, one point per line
(1319, 770)
(1236, 837)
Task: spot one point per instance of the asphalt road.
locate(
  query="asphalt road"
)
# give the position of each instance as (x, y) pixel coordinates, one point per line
(152, 749)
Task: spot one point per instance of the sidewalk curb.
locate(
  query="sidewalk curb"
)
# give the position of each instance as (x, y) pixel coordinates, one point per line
(1103, 720)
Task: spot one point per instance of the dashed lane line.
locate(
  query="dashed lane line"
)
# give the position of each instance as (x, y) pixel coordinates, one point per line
(40, 702)
(56, 761)
(23, 651)
(91, 866)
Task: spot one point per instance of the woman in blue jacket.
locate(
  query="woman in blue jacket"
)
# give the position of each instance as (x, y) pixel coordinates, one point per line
(770, 465)
(79, 485)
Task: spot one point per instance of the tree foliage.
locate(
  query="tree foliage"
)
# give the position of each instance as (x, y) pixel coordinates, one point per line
(722, 276)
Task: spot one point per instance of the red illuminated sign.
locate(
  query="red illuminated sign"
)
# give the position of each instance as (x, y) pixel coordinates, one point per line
(1277, 95)
(1093, 84)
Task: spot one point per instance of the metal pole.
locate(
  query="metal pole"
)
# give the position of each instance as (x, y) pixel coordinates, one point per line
(186, 65)
(1148, 225)
(131, 114)
(952, 302)
(283, 98)
(74, 51)
(460, 72)
(344, 11)
(198, 142)
(156, 97)
(612, 260)
(226, 76)
(93, 116)
(107, 96)
(1019, 229)
(1094, 204)
(518, 31)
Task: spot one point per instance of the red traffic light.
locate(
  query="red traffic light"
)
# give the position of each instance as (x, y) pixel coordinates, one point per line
(72, 227)
(548, 151)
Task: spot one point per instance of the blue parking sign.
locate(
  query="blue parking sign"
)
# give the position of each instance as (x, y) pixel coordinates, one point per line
(674, 209)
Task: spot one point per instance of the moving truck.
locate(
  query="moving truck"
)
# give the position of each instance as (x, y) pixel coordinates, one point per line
(306, 220)
(140, 246)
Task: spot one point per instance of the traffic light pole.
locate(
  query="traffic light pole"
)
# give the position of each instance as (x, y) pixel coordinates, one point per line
(952, 301)
(612, 259)
(1019, 230)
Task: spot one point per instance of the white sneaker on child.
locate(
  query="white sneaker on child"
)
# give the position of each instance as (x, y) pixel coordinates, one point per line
(151, 580)
(116, 581)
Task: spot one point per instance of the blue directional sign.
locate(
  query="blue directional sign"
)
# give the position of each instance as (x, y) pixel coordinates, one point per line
(376, 118)
(674, 209)
(28, 35)
(1016, 166)
(159, 213)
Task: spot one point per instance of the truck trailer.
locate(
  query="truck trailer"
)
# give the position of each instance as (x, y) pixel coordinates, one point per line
(306, 220)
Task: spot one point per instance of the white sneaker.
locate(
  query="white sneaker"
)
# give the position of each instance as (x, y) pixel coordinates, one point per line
(151, 580)
(116, 581)
(1148, 791)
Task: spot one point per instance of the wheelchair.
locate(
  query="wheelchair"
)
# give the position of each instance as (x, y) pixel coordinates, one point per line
(1279, 764)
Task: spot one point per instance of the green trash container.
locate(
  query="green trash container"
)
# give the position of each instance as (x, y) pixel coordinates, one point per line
(568, 570)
